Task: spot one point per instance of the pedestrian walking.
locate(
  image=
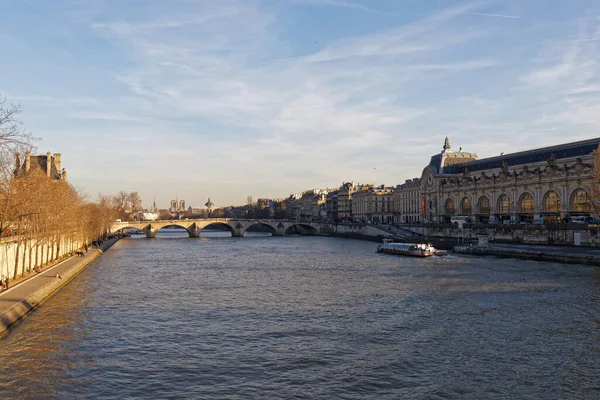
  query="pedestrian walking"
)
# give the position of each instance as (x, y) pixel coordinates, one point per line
(58, 276)
(6, 282)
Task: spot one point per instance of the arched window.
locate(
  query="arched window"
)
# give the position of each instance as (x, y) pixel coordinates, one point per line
(484, 205)
(449, 207)
(552, 202)
(526, 204)
(580, 201)
(465, 206)
(503, 204)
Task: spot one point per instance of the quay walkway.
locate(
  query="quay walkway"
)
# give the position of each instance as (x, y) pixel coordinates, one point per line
(27, 294)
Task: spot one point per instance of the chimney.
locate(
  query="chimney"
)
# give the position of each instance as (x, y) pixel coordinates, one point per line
(48, 163)
(17, 162)
(27, 161)
(57, 161)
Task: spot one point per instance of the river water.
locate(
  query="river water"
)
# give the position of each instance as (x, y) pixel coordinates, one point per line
(307, 318)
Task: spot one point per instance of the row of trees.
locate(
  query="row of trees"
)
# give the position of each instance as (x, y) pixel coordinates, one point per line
(44, 217)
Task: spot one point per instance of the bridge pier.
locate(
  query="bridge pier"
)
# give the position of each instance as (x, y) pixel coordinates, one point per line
(238, 230)
(194, 231)
(150, 233)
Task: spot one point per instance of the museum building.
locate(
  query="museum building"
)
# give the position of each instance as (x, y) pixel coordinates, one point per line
(548, 184)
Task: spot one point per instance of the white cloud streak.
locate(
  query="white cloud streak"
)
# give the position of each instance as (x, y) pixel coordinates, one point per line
(493, 15)
(338, 3)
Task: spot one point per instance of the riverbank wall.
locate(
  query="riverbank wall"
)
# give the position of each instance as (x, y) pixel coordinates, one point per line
(28, 296)
(18, 254)
(550, 234)
(529, 254)
(362, 231)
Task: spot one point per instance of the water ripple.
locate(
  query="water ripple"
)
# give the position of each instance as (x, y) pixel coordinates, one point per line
(307, 318)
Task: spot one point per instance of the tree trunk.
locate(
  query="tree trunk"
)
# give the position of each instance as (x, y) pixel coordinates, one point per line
(24, 257)
(17, 260)
(30, 251)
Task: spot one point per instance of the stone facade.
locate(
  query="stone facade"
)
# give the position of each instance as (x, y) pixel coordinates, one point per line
(344, 201)
(407, 198)
(312, 204)
(547, 184)
(339, 201)
(374, 205)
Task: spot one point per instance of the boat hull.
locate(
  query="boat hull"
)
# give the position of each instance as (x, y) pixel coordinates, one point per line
(405, 253)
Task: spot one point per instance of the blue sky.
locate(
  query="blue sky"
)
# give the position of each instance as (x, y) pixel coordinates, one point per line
(232, 98)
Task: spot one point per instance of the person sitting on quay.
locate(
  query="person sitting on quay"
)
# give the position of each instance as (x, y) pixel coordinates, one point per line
(37, 268)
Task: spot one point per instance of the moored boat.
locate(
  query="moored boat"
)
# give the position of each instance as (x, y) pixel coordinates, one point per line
(407, 249)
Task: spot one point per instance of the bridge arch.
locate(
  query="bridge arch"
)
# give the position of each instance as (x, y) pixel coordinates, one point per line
(302, 229)
(218, 224)
(265, 226)
(165, 230)
(123, 228)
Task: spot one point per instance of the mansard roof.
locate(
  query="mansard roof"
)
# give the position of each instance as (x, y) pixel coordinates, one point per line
(562, 151)
(40, 162)
(435, 163)
(448, 157)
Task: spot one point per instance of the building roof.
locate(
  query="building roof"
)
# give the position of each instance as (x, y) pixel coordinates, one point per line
(562, 151)
(448, 157)
(40, 162)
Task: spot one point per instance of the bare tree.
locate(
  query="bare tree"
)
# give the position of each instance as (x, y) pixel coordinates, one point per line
(135, 202)
(13, 139)
(121, 203)
(164, 215)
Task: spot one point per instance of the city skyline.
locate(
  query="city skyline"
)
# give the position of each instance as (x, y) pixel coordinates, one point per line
(269, 98)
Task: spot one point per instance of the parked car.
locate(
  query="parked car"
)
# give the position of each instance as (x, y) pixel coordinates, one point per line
(581, 220)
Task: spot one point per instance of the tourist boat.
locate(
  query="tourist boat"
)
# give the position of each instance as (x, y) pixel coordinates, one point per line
(407, 249)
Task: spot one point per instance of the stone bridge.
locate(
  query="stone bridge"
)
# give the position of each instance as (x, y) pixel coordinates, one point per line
(237, 227)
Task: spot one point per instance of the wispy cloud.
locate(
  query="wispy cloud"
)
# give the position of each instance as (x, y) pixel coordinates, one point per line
(592, 39)
(493, 15)
(338, 3)
(109, 116)
(568, 80)
(228, 93)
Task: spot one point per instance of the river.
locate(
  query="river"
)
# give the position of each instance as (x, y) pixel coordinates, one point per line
(307, 318)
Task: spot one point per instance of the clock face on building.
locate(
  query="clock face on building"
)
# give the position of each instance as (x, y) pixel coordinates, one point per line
(429, 179)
